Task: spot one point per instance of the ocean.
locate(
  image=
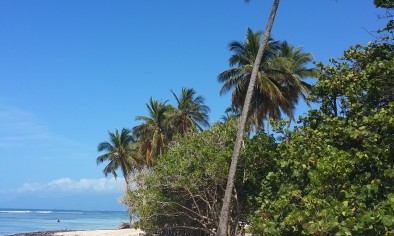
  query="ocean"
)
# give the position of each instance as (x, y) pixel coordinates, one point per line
(13, 221)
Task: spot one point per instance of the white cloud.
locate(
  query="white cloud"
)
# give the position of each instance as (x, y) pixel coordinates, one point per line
(70, 185)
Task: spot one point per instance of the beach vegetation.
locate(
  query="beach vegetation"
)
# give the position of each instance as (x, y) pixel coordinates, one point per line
(331, 175)
(336, 175)
(186, 186)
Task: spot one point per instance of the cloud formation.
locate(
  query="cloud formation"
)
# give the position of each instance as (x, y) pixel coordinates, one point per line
(70, 185)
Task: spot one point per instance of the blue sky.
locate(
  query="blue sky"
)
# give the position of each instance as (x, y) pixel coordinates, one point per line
(72, 70)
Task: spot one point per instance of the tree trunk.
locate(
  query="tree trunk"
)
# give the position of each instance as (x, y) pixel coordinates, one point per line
(224, 213)
(238, 212)
(268, 124)
(288, 131)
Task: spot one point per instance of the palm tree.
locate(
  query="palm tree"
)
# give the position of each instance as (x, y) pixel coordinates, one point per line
(118, 153)
(267, 98)
(190, 113)
(224, 213)
(153, 134)
(279, 79)
(290, 69)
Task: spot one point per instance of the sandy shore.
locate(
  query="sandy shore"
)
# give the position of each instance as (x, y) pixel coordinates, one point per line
(115, 232)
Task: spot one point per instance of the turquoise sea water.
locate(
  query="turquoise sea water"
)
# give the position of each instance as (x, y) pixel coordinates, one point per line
(13, 221)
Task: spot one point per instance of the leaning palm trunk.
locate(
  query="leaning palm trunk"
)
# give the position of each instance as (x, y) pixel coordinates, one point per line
(287, 140)
(224, 213)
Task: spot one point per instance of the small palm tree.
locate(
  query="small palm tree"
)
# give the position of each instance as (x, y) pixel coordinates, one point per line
(153, 134)
(118, 153)
(190, 113)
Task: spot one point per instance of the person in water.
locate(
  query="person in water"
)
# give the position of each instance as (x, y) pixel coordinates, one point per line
(58, 221)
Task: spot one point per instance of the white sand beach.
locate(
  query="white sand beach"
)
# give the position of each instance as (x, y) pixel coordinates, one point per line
(114, 232)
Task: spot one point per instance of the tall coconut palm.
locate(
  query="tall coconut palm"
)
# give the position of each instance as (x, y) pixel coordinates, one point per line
(190, 113)
(153, 134)
(118, 153)
(280, 79)
(267, 98)
(224, 213)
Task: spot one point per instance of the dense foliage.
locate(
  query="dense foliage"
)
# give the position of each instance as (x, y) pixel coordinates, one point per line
(186, 186)
(336, 176)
